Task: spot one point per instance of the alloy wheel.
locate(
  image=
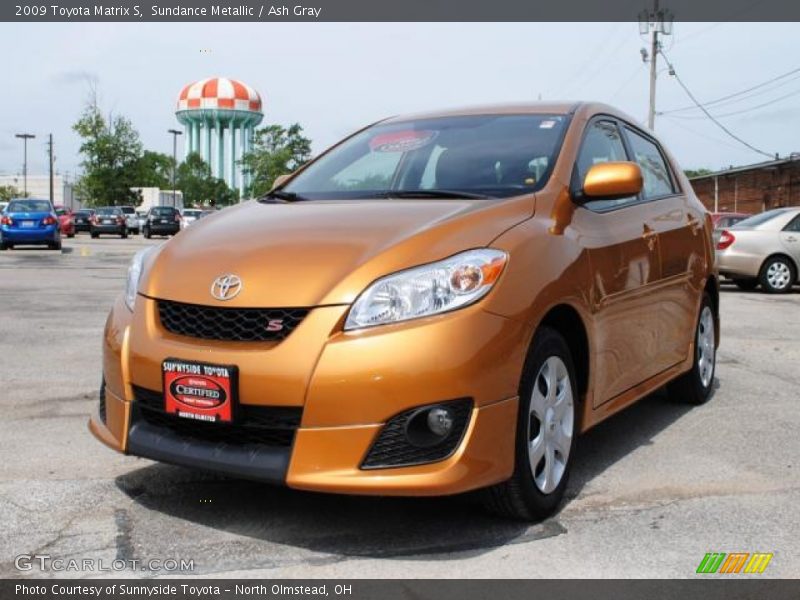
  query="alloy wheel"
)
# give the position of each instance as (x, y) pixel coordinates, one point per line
(705, 346)
(550, 424)
(779, 275)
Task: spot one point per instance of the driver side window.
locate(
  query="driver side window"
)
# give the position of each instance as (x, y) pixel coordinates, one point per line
(602, 143)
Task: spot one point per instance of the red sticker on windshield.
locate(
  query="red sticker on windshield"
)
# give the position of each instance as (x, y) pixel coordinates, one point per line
(401, 141)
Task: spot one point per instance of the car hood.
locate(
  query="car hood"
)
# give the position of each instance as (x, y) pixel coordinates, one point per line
(319, 253)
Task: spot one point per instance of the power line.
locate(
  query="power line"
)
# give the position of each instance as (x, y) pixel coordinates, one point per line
(674, 73)
(742, 111)
(739, 93)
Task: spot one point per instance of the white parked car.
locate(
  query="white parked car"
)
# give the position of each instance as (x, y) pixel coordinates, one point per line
(190, 215)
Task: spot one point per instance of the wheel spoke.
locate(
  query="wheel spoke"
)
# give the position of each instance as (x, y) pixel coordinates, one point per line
(536, 451)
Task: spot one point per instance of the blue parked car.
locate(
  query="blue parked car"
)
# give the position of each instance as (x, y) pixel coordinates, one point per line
(29, 221)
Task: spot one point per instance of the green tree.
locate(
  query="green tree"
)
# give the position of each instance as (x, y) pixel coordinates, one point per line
(276, 150)
(112, 153)
(194, 179)
(154, 169)
(7, 192)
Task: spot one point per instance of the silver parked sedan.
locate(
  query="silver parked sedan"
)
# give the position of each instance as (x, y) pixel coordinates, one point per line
(762, 250)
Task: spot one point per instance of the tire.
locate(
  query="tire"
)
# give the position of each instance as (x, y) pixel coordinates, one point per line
(777, 275)
(747, 285)
(694, 387)
(4, 246)
(70, 235)
(548, 397)
(95, 235)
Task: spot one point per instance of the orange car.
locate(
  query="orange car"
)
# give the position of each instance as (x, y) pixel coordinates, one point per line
(439, 303)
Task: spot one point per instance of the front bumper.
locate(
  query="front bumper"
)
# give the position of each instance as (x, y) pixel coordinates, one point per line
(43, 235)
(348, 386)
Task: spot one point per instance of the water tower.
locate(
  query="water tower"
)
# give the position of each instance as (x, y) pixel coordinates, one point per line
(218, 114)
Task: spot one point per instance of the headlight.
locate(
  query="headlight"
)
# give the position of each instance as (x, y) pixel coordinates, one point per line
(134, 274)
(429, 289)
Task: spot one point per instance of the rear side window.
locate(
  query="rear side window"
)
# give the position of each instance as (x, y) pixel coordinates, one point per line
(794, 224)
(602, 143)
(657, 179)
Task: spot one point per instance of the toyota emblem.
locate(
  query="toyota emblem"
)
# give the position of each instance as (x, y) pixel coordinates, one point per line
(226, 287)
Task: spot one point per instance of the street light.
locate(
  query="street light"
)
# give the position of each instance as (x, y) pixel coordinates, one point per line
(25, 137)
(175, 133)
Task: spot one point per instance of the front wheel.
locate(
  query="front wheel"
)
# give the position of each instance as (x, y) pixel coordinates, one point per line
(694, 386)
(545, 433)
(777, 275)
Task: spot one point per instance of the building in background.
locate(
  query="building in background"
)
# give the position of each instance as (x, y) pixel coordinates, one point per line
(751, 189)
(38, 186)
(219, 116)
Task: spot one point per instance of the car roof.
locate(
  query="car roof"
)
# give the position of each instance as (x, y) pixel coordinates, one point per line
(551, 108)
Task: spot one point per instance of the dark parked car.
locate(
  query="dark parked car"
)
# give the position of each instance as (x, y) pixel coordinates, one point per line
(83, 219)
(162, 220)
(109, 220)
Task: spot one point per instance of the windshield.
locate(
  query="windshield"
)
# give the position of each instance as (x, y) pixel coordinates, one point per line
(163, 211)
(191, 213)
(29, 206)
(761, 218)
(61, 212)
(128, 210)
(107, 211)
(489, 155)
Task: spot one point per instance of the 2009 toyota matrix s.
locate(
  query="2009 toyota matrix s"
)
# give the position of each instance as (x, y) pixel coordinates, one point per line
(439, 303)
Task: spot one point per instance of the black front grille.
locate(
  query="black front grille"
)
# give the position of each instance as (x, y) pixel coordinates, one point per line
(229, 324)
(392, 447)
(265, 425)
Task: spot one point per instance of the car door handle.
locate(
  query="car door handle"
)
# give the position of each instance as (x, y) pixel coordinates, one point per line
(649, 235)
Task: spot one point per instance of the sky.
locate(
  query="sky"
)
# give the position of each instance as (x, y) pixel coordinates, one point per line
(334, 78)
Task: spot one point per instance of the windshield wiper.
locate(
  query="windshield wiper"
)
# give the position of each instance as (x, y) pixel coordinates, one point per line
(281, 196)
(433, 194)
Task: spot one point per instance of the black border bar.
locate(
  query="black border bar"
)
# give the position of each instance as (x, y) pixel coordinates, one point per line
(393, 10)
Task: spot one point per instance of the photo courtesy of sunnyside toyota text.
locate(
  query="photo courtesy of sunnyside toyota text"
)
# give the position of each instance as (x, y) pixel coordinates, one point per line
(371, 300)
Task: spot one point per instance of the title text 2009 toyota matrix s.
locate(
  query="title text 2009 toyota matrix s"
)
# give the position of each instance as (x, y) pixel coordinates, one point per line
(439, 303)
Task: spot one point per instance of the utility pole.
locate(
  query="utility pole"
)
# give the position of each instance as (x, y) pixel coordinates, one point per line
(655, 22)
(25, 137)
(50, 153)
(175, 133)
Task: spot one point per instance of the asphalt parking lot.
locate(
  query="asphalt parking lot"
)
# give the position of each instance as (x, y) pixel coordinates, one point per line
(653, 489)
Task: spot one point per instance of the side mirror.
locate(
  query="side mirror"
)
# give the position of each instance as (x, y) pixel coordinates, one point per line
(612, 180)
(280, 180)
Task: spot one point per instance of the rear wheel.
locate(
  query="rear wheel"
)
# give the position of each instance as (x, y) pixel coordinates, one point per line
(694, 386)
(70, 235)
(747, 285)
(777, 275)
(545, 433)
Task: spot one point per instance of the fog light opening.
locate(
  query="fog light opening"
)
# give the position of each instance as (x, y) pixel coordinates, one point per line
(429, 426)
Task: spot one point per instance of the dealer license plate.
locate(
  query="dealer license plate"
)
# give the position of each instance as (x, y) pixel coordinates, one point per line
(199, 391)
